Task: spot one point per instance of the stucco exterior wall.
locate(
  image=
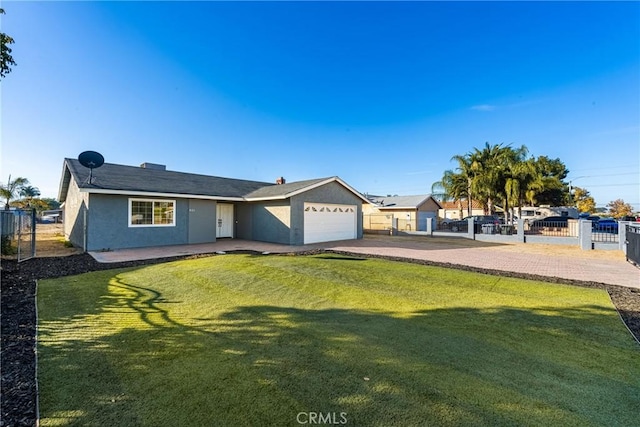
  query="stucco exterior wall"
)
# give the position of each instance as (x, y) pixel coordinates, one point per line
(108, 223)
(270, 221)
(108, 219)
(429, 206)
(408, 218)
(202, 221)
(455, 213)
(244, 221)
(75, 206)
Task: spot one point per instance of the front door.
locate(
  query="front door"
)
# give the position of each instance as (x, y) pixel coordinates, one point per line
(224, 218)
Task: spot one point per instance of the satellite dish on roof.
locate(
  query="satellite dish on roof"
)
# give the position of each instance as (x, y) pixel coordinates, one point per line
(91, 160)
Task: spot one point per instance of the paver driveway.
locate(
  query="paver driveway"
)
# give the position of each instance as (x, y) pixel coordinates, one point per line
(566, 262)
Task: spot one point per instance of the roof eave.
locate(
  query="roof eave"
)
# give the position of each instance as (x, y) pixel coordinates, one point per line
(388, 208)
(65, 180)
(158, 194)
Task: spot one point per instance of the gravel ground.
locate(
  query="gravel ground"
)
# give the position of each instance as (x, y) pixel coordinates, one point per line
(18, 385)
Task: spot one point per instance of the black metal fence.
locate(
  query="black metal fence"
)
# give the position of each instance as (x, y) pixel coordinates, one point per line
(18, 233)
(633, 244)
(548, 228)
(605, 232)
(456, 226)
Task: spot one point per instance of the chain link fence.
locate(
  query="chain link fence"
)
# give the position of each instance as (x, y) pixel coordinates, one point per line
(18, 234)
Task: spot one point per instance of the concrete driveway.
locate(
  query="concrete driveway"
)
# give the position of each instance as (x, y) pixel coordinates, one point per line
(567, 262)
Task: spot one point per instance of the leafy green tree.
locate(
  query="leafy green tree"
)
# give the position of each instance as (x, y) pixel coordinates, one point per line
(497, 173)
(554, 191)
(521, 179)
(6, 60)
(583, 200)
(29, 199)
(618, 208)
(37, 204)
(51, 203)
(12, 189)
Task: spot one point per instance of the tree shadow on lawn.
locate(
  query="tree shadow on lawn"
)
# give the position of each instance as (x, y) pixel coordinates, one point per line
(264, 365)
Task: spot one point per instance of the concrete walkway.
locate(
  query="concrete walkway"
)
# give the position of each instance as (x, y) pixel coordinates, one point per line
(608, 267)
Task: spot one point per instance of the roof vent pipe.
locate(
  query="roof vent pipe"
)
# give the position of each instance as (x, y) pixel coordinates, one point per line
(154, 166)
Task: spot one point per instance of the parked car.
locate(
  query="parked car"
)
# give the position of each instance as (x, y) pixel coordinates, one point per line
(588, 216)
(478, 221)
(49, 219)
(630, 218)
(605, 225)
(551, 221)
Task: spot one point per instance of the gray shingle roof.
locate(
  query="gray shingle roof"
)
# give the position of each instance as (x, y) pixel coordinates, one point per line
(131, 179)
(400, 202)
(282, 190)
(137, 179)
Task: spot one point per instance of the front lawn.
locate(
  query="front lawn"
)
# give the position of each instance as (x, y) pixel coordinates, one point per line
(276, 340)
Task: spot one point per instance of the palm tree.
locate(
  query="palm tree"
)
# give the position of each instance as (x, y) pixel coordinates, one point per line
(452, 187)
(489, 166)
(29, 192)
(519, 176)
(9, 191)
(503, 173)
(467, 171)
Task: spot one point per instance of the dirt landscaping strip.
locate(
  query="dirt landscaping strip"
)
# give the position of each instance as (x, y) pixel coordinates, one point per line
(18, 311)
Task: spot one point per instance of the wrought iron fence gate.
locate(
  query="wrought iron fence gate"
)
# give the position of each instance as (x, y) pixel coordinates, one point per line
(633, 244)
(18, 233)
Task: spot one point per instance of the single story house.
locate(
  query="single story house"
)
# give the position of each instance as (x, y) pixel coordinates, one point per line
(411, 212)
(120, 206)
(452, 210)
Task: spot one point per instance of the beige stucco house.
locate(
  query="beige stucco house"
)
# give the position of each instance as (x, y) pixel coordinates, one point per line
(412, 212)
(452, 210)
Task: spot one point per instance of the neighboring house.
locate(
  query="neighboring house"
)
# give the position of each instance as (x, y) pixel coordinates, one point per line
(412, 212)
(128, 207)
(451, 210)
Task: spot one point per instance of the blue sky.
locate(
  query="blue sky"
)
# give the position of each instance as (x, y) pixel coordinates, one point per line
(380, 94)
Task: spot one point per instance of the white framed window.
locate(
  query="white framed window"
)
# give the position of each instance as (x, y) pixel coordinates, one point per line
(152, 213)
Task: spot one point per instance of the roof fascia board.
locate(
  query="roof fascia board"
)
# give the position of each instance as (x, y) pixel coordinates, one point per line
(263, 199)
(153, 194)
(65, 180)
(390, 208)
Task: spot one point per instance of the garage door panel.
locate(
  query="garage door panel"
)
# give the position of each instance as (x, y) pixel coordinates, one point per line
(329, 222)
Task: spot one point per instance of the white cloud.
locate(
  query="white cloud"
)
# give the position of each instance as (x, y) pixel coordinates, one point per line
(483, 107)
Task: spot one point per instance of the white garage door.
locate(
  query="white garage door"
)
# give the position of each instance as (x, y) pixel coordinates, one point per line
(325, 222)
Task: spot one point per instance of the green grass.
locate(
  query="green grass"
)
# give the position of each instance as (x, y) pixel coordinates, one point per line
(255, 340)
